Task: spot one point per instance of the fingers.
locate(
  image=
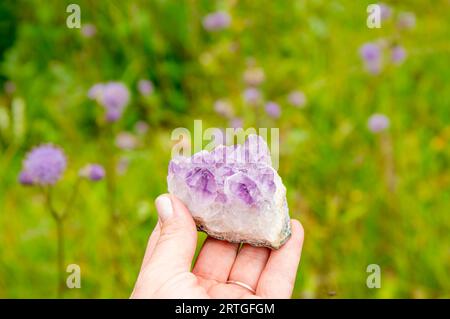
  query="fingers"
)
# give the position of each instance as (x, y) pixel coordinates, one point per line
(278, 277)
(249, 264)
(177, 241)
(215, 260)
(151, 244)
(170, 249)
(148, 253)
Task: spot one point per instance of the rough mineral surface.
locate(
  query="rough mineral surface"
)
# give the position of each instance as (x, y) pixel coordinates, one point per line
(233, 193)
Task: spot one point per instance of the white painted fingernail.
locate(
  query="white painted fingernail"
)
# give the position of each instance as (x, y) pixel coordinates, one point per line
(164, 207)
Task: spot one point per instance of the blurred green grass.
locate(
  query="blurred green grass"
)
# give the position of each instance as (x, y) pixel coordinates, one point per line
(333, 167)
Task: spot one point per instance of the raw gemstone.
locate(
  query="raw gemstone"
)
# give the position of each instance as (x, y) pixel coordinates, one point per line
(234, 193)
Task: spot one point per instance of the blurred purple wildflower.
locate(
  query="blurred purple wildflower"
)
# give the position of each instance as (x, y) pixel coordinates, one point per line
(43, 165)
(223, 108)
(141, 127)
(25, 178)
(273, 109)
(406, 20)
(378, 123)
(88, 30)
(216, 21)
(126, 141)
(145, 87)
(236, 122)
(386, 11)
(398, 54)
(297, 98)
(254, 76)
(371, 55)
(113, 96)
(94, 172)
(252, 95)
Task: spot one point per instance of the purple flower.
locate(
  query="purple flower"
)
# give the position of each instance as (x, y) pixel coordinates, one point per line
(43, 165)
(371, 55)
(254, 76)
(113, 96)
(406, 20)
(94, 172)
(243, 188)
(386, 11)
(25, 178)
(202, 181)
(145, 87)
(141, 128)
(88, 30)
(216, 21)
(273, 109)
(297, 98)
(236, 123)
(252, 95)
(378, 123)
(223, 108)
(398, 54)
(126, 141)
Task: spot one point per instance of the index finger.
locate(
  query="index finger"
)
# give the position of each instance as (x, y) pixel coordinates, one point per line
(278, 277)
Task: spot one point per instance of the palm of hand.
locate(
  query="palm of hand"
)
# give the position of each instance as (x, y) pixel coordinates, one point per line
(222, 270)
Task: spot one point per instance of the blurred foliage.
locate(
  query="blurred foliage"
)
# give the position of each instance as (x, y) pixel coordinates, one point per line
(362, 198)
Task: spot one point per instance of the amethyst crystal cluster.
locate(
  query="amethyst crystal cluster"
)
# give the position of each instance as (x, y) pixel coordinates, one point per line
(233, 193)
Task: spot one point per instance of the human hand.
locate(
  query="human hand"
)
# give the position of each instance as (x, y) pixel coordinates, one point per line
(221, 269)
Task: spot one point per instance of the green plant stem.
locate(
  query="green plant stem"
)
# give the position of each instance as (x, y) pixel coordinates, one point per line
(61, 256)
(59, 220)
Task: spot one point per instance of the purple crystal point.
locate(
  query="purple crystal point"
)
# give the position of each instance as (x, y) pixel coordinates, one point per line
(242, 188)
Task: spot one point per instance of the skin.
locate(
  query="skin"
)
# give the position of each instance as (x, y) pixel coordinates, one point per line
(166, 269)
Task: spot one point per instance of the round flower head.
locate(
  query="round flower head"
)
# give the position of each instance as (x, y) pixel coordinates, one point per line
(406, 20)
(113, 96)
(254, 76)
(371, 55)
(44, 165)
(236, 122)
(297, 98)
(273, 109)
(141, 128)
(386, 11)
(88, 30)
(378, 123)
(94, 172)
(223, 108)
(126, 141)
(145, 87)
(398, 54)
(216, 21)
(252, 95)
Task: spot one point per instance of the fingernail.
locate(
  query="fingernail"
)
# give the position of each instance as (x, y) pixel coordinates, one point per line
(164, 207)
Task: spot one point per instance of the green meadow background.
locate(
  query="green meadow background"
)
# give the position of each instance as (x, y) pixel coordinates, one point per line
(362, 198)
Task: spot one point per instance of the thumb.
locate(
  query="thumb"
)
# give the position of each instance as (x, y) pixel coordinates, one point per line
(176, 244)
